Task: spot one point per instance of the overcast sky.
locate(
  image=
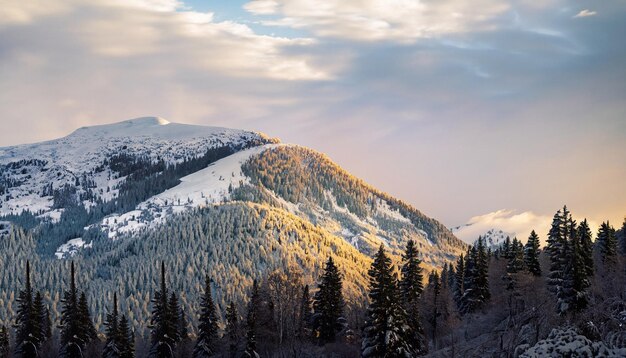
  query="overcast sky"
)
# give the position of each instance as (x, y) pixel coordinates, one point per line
(498, 111)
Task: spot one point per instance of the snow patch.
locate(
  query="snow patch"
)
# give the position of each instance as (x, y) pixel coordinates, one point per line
(71, 248)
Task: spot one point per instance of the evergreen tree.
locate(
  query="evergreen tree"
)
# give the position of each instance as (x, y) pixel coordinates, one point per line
(476, 285)
(607, 242)
(232, 329)
(459, 281)
(42, 315)
(586, 246)
(506, 248)
(411, 288)
(164, 328)
(482, 269)
(516, 257)
(175, 318)
(576, 282)
(250, 350)
(126, 339)
(436, 287)
(386, 332)
(112, 345)
(557, 251)
(305, 316)
(531, 254)
(73, 335)
(88, 331)
(623, 237)
(328, 304)
(28, 326)
(206, 346)
(5, 348)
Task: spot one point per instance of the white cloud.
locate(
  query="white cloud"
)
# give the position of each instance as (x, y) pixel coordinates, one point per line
(585, 13)
(509, 221)
(372, 20)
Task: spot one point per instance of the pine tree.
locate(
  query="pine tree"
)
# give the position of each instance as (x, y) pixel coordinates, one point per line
(328, 304)
(586, 246)
(607, 242)
(386, 332)
(459, 281)
(175, 318)
(506, 248)
(531, 254)
(88, 331)
(516, 257)
(250, 350)
(5, 348)
(232, 329)
(28, 325)
(482, 268)
(557, 251)
(306, 314)
(577, 283)
(163, 335)
(411, 288)
(206, 345)
(112, 345)
(623, 237)
(42, 315)
(126, 339)
(73, 340)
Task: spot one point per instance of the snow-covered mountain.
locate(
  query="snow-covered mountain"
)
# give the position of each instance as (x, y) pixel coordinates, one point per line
(121, 198)
(30, 173)
(493, 237)
(135, 175)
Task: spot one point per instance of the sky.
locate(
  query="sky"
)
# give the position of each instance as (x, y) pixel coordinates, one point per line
(489, 112)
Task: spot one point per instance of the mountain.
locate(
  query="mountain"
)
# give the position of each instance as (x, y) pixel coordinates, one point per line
(493, 237)
(120, 198)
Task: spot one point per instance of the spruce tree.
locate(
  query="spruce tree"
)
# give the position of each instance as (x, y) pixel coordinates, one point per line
(28, 325)
(88, 331)
(250, 350)
(328, 304)
(482, 270)
(386, 332)
(531, 254)
(112, 344)
(607, 242)
(73, 336)
(126, 339)
(516, 257)
(557, 252)
(623, 237)
(5, 347)
(411, 288)
(586, 246)
(206, 345)
(42, 315)
(306, 314)
(163, 335)
(577, 281)
(175, 318)
(232, 329)
(459, 281)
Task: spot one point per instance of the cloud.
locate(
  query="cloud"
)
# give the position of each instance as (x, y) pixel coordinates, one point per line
(509, 221)
(585, 13)
(374, 20)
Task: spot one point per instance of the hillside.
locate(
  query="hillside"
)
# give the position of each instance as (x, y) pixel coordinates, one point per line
(119, 198)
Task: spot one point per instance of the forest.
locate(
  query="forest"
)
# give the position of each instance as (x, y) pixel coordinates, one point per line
(516, 300)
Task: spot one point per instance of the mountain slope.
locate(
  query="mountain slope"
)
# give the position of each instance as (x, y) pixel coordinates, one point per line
(119, 198)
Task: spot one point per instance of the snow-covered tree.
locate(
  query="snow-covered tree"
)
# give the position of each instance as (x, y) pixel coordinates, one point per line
(531, 254)
(206, 345)
(328, 304)
(386, 332)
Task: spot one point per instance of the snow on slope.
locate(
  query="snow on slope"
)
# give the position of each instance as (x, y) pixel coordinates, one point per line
(205, 187)
(27, 169)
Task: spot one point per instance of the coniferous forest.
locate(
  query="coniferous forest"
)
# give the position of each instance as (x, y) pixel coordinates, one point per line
(515, 300)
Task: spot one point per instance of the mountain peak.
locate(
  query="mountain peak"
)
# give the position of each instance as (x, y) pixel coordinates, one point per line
(146, 121)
